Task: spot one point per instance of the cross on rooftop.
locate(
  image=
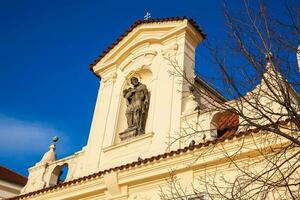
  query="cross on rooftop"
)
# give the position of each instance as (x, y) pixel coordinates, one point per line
(147, 16)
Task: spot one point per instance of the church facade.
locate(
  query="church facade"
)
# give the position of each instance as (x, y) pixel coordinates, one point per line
(142, 108)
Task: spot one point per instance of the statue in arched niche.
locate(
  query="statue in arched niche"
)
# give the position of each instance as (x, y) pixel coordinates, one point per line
(137, 102)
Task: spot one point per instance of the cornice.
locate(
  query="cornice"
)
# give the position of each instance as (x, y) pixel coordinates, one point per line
(142, 162)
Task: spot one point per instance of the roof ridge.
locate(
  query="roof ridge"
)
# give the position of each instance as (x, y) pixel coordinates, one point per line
(139, 22)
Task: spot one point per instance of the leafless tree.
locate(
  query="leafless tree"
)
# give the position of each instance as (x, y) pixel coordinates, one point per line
(260, 77)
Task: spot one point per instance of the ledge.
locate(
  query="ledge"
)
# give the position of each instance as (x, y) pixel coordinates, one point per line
(129, 141)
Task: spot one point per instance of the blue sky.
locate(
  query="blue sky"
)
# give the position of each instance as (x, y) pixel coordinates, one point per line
(46, 46)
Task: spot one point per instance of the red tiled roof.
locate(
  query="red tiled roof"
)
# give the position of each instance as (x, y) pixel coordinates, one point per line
(139, 22)
(144, 161)
(11, 176)
(228, 122)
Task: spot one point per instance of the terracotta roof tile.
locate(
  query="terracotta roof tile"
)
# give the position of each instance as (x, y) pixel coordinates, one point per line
(143, 161)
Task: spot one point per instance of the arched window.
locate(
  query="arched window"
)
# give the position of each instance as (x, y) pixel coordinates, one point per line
(59, 174)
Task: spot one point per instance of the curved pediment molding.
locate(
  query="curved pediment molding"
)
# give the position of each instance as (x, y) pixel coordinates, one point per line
(142, 37)
(144, 57)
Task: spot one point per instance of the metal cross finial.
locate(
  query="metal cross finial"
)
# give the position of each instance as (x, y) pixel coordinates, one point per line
(268, 55)
(147, 16)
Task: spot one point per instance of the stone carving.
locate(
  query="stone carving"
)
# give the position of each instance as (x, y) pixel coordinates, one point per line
(137, 102)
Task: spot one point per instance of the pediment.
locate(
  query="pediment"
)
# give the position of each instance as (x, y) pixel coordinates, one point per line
(141, 37)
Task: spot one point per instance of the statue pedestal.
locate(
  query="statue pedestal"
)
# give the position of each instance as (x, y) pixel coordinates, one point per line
(129, 133)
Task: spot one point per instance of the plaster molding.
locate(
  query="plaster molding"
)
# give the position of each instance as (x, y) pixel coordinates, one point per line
(130, 141)
(145, 57)
(118, 53)
(111, 182)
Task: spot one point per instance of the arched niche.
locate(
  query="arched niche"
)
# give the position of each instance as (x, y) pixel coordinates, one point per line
(224, 124)
(145, 77)
(59, 174)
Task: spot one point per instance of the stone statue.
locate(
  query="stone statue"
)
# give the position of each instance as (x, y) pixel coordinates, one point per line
(137, 102)
(129, 110)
